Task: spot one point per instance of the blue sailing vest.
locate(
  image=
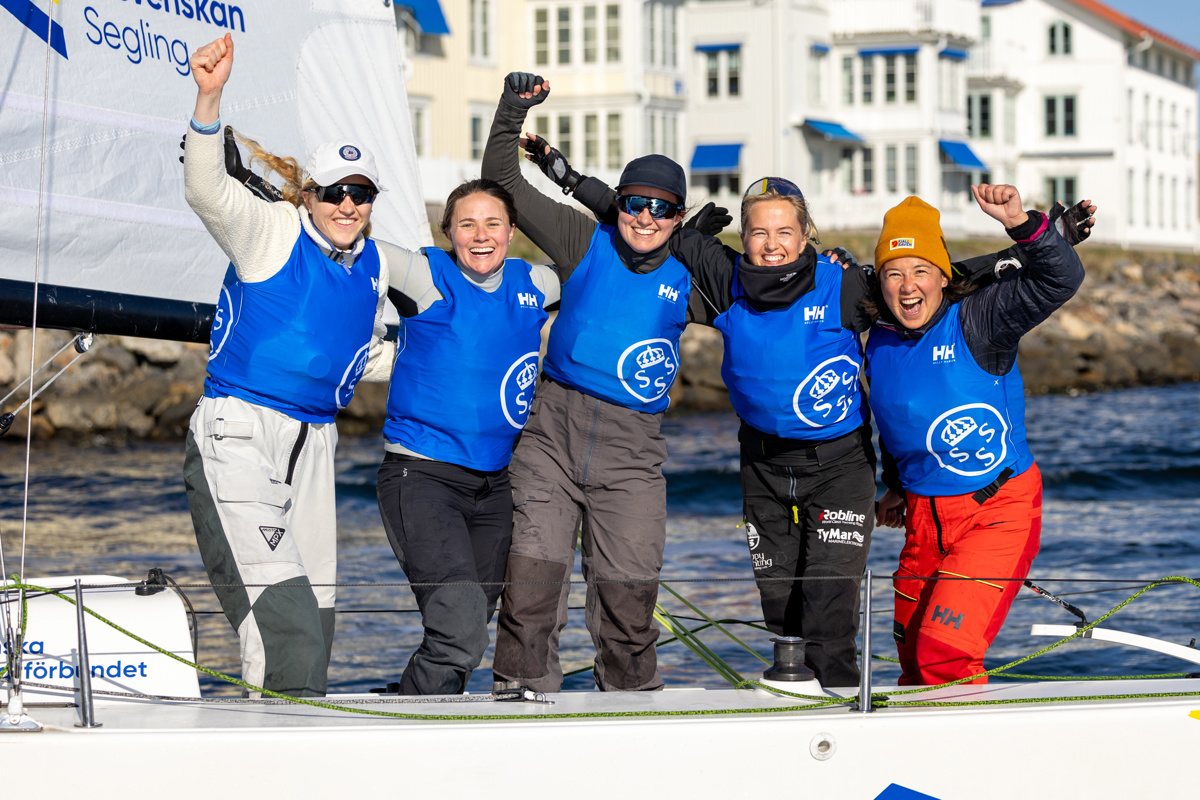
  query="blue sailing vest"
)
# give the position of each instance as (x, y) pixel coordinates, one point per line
(617, 332)
(298, 341)
(467, 368)
(793, 372)
(951, 426)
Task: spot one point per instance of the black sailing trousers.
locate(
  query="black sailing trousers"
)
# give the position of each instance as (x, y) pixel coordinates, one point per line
(810, 509)
(450, 526)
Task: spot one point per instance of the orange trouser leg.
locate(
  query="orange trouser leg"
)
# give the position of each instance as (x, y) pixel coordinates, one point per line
(944, 627)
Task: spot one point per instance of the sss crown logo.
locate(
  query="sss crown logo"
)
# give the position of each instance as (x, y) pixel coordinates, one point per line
(648, 368)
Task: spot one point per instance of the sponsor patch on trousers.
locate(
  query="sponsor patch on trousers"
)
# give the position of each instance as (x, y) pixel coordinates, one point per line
(273, 536)
(839, 536)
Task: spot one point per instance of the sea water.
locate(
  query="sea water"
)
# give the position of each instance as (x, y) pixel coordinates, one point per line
(1122, 501)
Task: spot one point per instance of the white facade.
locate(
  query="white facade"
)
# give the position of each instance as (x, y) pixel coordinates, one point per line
(1078, 106)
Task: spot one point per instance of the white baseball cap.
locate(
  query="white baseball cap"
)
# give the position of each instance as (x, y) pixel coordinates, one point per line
(333, 161)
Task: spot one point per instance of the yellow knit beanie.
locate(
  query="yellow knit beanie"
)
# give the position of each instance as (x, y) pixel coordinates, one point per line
(913, 228)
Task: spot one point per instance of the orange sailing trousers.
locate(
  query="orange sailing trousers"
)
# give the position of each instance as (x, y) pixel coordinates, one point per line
(943, 628)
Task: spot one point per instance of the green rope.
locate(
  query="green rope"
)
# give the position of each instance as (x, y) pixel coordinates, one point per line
(693, 643)
(714, 623)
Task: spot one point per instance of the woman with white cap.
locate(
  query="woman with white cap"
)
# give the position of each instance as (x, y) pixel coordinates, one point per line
(298, 324)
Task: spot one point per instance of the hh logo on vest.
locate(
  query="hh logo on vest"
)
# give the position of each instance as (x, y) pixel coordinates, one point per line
(350, 378)
(648, 368)
(968, 440)
(828, 393)
(516, 389)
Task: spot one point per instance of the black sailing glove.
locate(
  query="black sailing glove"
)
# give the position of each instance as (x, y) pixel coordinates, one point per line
(239, 172)
(519, 83)
(710, 220)
(1074, 223)
(841, 255)
(551, 162)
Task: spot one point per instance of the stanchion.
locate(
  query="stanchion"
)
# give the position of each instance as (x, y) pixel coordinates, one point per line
(87, 710)
(864, 684)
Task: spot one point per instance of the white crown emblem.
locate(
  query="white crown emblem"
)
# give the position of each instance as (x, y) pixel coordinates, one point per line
(957, 429)
(651, 356)
(823, 384)
(527, 376)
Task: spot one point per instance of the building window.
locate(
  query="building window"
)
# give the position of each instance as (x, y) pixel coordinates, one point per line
(1060, 39)
(1146, 202)
(1146, 120)
(816, 61)
(591, 141)
(889, 174)
(651, 34)
(476, 137)
(1162, 205)
(652, 125)
(889, 79)
(1010, 118)
(1174, 128)
(589, 34)
(1060, 115)
(419, 114)
(848, 170)
(613, 131)
(1129, 116)
(733, 70)
(868, 79)
(1061, 190)
(1129, 198)
(868, 170)
(848, 80)
(541, 126)
(1174, 202)
(979, 116)
(541, 37)
(672, 136)
(479, 22)
(612, 33)
(910, 78)
(564, 136)
(712, 68)
(670, 41)
(1160, 125)
(564, 36)
(910, 169)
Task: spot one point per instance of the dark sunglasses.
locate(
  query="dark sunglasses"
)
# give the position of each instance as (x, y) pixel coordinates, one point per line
(780, 185)
(335, 194)
(633, 204)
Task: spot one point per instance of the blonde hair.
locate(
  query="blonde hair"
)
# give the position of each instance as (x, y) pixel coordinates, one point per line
(798, 203)
(288, 168)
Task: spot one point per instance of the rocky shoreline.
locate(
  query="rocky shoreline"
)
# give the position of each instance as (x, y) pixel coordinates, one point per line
(1136, 321)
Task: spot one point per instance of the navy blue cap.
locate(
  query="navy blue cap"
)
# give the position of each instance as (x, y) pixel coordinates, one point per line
(656, 171)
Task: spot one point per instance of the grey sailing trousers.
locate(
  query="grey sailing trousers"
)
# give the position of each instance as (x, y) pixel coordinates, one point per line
(260, 486)
(588, 465)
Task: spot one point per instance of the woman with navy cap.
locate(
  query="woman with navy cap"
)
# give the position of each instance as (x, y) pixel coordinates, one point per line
(297, 325)
(592, 451)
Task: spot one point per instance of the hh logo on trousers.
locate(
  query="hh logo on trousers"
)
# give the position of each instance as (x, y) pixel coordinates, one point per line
(946, 616)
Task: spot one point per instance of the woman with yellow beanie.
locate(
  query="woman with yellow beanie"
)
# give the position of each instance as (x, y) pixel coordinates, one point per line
(950, 406)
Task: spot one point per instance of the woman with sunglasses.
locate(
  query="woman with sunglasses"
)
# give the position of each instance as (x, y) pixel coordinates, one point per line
(298, 323)
(592, 450)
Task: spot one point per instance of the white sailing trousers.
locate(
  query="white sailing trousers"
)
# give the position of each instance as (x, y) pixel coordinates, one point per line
(260, 486)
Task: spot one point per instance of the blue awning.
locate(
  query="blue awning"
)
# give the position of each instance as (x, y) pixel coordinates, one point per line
(832, 131)
(889, 51)
(716, 158)
(428, 14)
(953, 54)
(817, 47)
(961, 155)
(716, 48)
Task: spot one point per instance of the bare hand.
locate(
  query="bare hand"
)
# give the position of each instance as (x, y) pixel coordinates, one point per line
(889, 510)
(212, 63)
(1001, 202)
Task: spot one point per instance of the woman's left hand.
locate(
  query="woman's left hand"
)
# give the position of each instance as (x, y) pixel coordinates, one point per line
(1001, 202)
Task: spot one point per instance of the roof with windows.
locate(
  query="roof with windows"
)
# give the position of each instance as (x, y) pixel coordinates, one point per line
(1125, 23)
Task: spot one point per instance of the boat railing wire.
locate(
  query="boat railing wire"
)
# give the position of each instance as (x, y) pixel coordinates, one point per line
(680, 632)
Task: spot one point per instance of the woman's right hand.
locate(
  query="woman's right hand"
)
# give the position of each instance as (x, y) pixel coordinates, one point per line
(211, 65)
(889, 510)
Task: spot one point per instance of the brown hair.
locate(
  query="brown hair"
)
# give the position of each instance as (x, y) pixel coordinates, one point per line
(798, 203)
(288, 168)
(480, 186)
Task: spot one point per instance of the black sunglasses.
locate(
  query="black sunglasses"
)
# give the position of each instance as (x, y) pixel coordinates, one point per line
(335, 194)
(633, 204)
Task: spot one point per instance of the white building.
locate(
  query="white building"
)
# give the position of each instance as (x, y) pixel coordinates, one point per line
(861, 102)
(1070, 99)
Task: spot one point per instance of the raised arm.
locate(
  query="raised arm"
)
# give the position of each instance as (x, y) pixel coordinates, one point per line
(256, 235)
(562, 233)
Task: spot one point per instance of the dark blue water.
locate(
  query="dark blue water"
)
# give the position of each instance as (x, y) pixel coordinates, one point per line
(1122, 500)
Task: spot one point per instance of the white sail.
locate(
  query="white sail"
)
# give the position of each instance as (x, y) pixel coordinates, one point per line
(119, 96)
